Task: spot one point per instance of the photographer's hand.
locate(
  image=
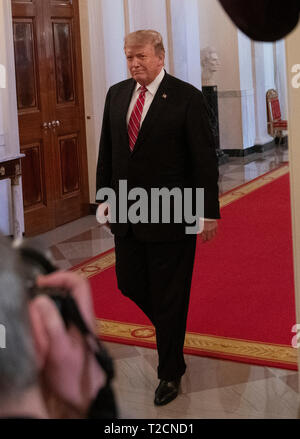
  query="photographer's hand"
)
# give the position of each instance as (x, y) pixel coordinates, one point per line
(68, 368)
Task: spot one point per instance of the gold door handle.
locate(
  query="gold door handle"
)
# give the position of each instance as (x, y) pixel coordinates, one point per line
(55, 123)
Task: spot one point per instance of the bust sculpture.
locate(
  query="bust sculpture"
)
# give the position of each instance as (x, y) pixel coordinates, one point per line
(210, 64)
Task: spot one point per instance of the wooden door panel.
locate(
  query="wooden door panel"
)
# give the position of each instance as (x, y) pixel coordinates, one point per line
(26, 8)
(36, 175)
(50, 90)
(33, 174)
(70, 181)
(62, 8)
(66, 101)
(68, 109)
(25, 59)
(69, 166)
(64, 62)
(33, 110)
(27, 79)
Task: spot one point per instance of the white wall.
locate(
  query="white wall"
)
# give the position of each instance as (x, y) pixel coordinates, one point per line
(247, 90)
(281, 77)
(92, 82)
(113, 28)
(145, 14)
(9, 134)
(247, 72)
(217, 30)
(263, 71)
(292, 45)
(185, 51)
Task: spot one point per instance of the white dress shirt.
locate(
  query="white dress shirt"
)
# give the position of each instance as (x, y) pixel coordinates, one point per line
(149, 96)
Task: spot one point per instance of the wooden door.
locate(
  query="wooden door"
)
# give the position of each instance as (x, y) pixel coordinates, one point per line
(33, 110)
(51, 112)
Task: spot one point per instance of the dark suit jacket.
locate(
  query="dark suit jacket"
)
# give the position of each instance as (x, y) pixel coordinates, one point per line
(175, 148)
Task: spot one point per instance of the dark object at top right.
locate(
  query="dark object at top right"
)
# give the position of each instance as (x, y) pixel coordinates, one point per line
(263, 20)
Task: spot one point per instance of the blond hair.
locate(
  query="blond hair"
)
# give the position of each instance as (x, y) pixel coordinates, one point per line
(143, 37)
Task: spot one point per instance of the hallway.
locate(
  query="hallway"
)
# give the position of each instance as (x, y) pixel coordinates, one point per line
(211, 388)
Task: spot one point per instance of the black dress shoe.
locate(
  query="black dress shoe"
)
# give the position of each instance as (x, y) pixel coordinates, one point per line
(166, 392)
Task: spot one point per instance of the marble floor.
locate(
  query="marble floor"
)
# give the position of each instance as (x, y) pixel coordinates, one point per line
(210, 389)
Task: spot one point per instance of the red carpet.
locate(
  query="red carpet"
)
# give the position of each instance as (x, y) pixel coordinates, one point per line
(242, 300)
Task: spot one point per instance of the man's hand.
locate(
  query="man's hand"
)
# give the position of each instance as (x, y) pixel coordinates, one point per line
(69, 371)
(209, 230)
(102, 214)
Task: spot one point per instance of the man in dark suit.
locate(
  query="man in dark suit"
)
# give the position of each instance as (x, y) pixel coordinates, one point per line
(156, 134)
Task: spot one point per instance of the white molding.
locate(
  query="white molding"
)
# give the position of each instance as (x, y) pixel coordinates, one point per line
(113, 28)
(9, 129)
(11, 125)
(150, 14)
(263, 140)
(235, 93)
(2, 151)
(263, 74)
(170, 37)
(2, 140)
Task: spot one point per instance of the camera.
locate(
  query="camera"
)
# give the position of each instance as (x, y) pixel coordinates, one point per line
(35, 263)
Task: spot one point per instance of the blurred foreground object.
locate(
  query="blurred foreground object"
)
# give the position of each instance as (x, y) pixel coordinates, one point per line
(263, 20)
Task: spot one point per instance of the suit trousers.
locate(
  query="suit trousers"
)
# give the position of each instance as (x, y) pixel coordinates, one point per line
(157, 277)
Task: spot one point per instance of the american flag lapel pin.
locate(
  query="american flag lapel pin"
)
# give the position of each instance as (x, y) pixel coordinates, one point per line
(164, 96)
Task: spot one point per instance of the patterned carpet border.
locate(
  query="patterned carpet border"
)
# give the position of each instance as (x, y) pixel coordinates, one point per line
(202, 343)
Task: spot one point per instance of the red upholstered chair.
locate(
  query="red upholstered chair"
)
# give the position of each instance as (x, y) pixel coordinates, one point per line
(276, 125)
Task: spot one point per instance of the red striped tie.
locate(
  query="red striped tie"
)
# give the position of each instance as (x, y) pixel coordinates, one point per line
(135, 118)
